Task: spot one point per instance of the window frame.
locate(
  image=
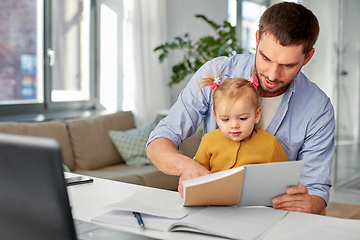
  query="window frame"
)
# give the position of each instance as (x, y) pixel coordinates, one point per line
(47, 105)
(239, 14)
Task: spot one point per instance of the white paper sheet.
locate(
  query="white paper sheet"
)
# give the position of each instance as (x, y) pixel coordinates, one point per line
(162, 204)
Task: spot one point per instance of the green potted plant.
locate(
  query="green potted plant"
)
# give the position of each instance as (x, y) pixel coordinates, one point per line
(198, 53)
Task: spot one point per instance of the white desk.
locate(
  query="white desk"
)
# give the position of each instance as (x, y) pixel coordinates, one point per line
(88, 201)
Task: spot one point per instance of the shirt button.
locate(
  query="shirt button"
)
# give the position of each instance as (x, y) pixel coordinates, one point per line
(236, 144)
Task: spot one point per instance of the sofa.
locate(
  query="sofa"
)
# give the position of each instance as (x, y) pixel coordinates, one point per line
(87, 148)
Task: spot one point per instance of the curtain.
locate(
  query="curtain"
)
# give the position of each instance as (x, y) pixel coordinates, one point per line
(145, 89)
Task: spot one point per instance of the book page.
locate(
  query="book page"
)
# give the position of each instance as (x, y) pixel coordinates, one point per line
(231, 222)
(263, 182)
(211, 177)
(217, 189)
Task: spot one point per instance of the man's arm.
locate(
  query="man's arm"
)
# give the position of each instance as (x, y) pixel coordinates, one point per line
(317, 150)
(165, 156)
(298, 199)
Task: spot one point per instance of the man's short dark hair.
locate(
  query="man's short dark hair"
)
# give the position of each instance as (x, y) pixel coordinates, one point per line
(291, 24)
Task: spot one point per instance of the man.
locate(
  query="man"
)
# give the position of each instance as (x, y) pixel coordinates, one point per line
(295, 110)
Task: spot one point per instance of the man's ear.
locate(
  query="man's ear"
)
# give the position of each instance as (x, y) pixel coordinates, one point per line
(257, 38)
(257, 115)
(309, 56)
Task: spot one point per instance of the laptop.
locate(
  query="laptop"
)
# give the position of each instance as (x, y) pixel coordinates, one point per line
(34, 203)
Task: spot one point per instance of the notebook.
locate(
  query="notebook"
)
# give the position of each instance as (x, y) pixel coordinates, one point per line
(34, 203)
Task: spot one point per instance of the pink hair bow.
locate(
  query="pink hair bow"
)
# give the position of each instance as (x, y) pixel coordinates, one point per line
(255, 80)
(213, 85)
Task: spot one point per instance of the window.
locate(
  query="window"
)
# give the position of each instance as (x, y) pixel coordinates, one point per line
(232, 9)
(250, 16)
(18, 53)
(45, 56)
(70, 52)
(245, 15)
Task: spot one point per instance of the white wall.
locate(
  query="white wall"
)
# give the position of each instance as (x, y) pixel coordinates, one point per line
(349, 84)
(181, 20)
(110, 51)
(322, 69)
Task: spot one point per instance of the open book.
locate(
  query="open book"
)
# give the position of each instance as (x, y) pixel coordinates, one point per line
(229, 222)
(249, 185)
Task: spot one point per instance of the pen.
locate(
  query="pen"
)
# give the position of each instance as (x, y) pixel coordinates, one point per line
(139, 219)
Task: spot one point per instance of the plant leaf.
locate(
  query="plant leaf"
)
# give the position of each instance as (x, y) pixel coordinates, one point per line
(213, 24)
(197, 53)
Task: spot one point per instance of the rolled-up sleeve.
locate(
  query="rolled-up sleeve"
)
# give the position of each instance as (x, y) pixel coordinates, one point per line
(188, 111)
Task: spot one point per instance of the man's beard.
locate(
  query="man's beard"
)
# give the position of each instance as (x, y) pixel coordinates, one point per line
(263, 91)
(274, 90)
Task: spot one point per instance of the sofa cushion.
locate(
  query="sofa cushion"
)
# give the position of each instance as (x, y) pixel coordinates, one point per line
(131, 144)
(53, 129)
(190, 145)
(147, 175)
(91, 143)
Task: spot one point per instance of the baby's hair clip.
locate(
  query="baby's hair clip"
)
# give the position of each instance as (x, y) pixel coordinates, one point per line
(255, 80)
(213, 85)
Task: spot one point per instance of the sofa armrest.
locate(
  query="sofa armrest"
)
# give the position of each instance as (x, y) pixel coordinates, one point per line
(53, 129)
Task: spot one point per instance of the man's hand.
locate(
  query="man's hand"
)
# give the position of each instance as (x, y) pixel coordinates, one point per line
(298, 199)
(192, 169)
(167, 159)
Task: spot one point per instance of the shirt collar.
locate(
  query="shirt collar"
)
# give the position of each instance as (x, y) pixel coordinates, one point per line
(291, 89)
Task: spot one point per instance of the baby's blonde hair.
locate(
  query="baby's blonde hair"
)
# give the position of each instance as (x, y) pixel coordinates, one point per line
(232, 89)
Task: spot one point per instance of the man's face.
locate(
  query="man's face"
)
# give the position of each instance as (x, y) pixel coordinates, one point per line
(277, 65)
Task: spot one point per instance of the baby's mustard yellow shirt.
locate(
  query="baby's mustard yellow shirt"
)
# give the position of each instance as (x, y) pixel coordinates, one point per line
(217, 152)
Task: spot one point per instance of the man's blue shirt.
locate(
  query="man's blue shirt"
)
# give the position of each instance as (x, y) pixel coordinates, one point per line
(304, 123)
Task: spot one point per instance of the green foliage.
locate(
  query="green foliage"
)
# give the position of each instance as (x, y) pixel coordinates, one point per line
(198, 53)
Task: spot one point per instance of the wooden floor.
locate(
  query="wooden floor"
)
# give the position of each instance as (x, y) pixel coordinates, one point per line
(343, 210)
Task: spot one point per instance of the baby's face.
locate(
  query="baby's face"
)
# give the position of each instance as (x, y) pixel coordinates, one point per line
(238, 121)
